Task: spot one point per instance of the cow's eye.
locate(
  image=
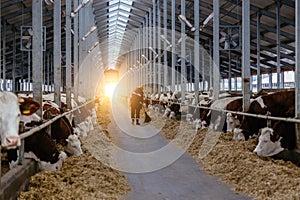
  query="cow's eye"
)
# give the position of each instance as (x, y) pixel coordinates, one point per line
(265, 141)
(19, 115)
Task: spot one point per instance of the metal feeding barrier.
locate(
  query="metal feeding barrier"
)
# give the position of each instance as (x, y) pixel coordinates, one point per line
(40, 127)
(267, 117)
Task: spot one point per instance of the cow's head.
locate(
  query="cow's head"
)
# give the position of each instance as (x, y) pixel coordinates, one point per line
(11, 111)
(266, 147)
(232, 122)
(74, 146)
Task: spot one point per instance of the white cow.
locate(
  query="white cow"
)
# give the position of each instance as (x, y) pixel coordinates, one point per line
(167, 112)
(172, 115)
(47, 166)
(10, 118)
(74, 146)
(189, 118)
(232, 122)
(265, 146)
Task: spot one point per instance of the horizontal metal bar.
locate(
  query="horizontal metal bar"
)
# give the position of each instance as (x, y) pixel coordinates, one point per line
(49, 122)
(245, 114)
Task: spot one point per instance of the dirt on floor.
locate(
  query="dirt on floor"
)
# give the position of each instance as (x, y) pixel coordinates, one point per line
(236, 164)
(85, 176)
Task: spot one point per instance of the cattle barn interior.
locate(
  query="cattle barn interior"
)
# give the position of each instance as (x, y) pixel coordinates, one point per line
(203, 63)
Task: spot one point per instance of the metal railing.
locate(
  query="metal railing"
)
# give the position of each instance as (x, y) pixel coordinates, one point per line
(267, 117)
(42, 126)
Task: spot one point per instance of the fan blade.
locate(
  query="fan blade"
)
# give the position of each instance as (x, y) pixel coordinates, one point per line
(233, 43)
(226, 46)
(28, 45)
(223, 33)
(222, 39)
(235, 36)
(26, 37)
(30, 31)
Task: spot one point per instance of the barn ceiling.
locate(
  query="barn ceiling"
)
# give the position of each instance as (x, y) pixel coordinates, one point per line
(116, 19)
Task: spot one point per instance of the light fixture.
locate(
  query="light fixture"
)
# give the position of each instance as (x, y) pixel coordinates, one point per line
(206, 20)
(49, 2)
(92, 29)
(153, 50)
(84, 3)
(180, 39)
(93, 47)
(183, 19)
(162, 37)
(143, 56)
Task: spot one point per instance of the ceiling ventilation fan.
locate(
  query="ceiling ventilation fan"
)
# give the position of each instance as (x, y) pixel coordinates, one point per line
(230, 38)
(26, 38)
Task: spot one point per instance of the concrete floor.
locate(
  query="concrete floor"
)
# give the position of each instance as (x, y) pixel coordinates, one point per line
(181, 179)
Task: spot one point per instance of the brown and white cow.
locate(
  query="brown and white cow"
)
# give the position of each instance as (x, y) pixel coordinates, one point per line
(276, 103)
(11, 109)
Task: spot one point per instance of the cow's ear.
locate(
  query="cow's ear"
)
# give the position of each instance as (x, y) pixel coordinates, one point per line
(29, 107)
(259, 132)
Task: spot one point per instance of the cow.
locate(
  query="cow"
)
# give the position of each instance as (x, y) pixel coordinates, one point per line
(283, 131)
(270, 144)
(275, 103)
(216, 119)
(40, 143)
(11, 109)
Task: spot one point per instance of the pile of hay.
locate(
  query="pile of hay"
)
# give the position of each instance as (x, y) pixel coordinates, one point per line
(84, 177)
(236, 164)
(81, 177)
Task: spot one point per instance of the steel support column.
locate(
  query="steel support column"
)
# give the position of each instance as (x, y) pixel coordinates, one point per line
(246, 54)
(278, 69)
(3, 70)
(146, 30)
(37, 52)
(183, 70)
(229, 71)
(216, 66)
(75, 53)
(159, 71)
(297, 70)
(270, 79)
(57, 50)
(155, 76)
(150, 53)
(173, 47)
(14, 64)
(258, 15)
(166, 70)
(196, 51)
(68, 54)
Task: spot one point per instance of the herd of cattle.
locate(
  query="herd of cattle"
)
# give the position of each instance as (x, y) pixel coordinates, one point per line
(42, 145)
(278, 140)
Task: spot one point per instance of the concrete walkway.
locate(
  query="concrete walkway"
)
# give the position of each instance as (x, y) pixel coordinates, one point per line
(179, 180)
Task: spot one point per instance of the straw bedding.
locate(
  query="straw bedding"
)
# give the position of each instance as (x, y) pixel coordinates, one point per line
(236, 164)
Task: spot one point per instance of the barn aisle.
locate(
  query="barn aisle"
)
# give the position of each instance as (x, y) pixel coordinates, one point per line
(181, 179)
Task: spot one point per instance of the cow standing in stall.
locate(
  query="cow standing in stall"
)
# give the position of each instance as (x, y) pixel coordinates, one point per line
(275, 103)
(279, 141)
(40, 142)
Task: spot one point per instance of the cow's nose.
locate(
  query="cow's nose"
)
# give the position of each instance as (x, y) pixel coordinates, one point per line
(12, 141)
(255, 152)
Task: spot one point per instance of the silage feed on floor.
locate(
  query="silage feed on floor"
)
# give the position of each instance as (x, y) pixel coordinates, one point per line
(85, 176)
(236, 164)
